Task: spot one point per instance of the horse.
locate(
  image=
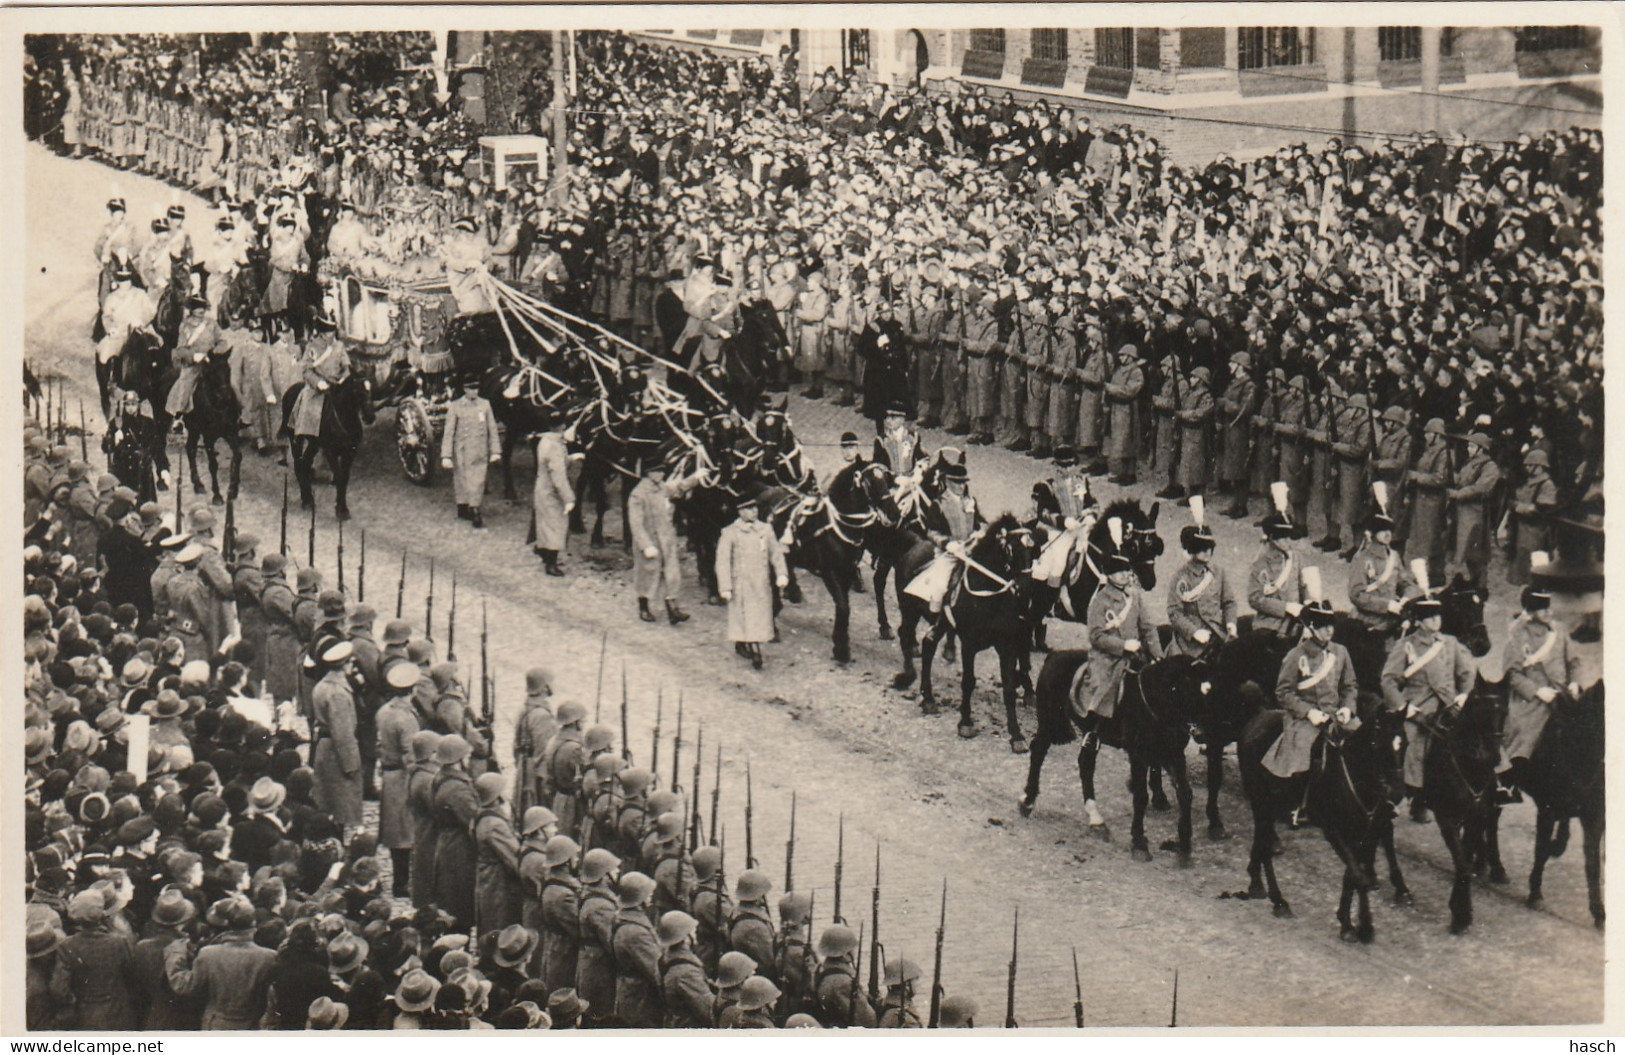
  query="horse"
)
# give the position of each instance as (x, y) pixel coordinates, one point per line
(345, 413)
(616, 434)
(1565, 778)
(829, 533)
(1242, 673)
(1140, 544)
(1151, 733)
(909, 502)
(1350, 799)
(216, 415)
(142, 366)
(987, 609)
(1458, 781)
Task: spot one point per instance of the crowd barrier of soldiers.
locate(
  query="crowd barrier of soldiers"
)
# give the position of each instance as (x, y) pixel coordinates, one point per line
(222, 876)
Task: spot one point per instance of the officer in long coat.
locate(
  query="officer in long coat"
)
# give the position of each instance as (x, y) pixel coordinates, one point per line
(498, 896)
(1201, 605)
(1533, 507)
(1316, 686)
(811, 323)
(1232, 411)
(199, 335)
(1428, 673)
(747, 553)
(1123, 397)
(1429, 478)
(324, 366)
(397, 724)
(532, 733)
(469, 446)
(1475, 483)
(259, 383)
(656, 567)
(1195, 416)
(336, 757)
(281, 640)
(1540, 667)
(982, 347)
(421, 776)
(455, 807)
(552, 500)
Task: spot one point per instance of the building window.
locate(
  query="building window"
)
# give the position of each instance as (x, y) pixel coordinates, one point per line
(1552, 38)
(1114, 48)
(857, 48)
(988, 40)
(1262, 47)
(1399, 43)
(1049, 45)
(1447, 41)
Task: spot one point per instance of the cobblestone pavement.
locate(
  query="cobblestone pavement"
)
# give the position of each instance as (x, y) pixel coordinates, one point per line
(936, 805)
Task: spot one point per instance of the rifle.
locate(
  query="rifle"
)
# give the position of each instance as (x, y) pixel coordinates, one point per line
(361, 571)
(626, 742)
(694, 791)
(857, 972)
(228, 538)
(341, 555)
(716, 792)
(750, 809)
(1010, 980)
(1077, 987)
(311, 540)
(935, 1019)
(428, 605)
(1173, 1014)
(451, 623)
(790, 848)
(840, 864)
(598, 693)
(282, 541)
(180, 494)
(654, 751)
(84, 433)
(486, 689)
(677, 743)
(874, 933)
(722, 886)
(400, 588)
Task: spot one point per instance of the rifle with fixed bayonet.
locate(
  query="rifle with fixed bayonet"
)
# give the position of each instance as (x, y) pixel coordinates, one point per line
(626, 742)
(400, 588)
(677, 744)
(694, 792)
(716, 791)
(790, 848)
(1010, 978)
(598, 693)
(750, 810)
(451, 623)
(934, 1020)
(361, 571)
(654, 750)
(228, 538)
(874, 933)
(840, 863)
(84, 435)
(1077, 987)
(486, 690)
(428, 605)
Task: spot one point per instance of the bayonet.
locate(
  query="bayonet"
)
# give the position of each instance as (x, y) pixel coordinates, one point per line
(654, 750)
(840, 863)
(400, 588)
(790, 848)
(677, 743)
(1010, 978)
(598, 693)
(451, 623)
(934, 1020)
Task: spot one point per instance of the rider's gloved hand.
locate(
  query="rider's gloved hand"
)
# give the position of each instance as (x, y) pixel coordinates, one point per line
(1203, 636)
(1132, 645)
(1319, 717)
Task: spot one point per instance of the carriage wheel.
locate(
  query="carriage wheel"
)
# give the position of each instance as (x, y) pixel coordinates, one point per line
(414, 439)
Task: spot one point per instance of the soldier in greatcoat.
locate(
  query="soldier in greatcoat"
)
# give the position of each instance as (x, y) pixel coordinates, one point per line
(552, 500)
(1427, 676)
(469, 446)
(421, 775)
(747, 553)
(281, 639)
(1429, 478)
(1123, 390)
(656, 567)
(336, 757)
(1540, 667)
(455, 808)
(1475, 483)
(397, 725)
(532, 733)
(498, 895)
(1231, 413)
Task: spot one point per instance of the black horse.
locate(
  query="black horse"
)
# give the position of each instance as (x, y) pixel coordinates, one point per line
(1140, 544)
(829, 534)
(1241, 674)
(1152, 724)
(216, 416)
(1458, 781)
(345, 414)
(1350, 798)
(988, 608)
(1565, 778)
(142, 366)
(910, 507)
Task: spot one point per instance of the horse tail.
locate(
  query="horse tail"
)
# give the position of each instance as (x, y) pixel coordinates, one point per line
(1054, 692)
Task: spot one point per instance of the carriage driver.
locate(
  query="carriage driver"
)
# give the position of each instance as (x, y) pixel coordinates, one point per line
(1426, 669)
(325, 365)
(1076, 510)
(199, 338)
(1316, 687)
(1540, 667)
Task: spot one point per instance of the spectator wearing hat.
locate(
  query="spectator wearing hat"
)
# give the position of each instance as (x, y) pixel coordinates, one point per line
(455, 808)
(636, 948)
(421, 775)
(1474, 484)
(1427, 677)
(413, 999)
(747, 553)
(1316, 686)
(324, 1013)
(362, 987)
(97, 964)
(397, 726)
(302, 975)
(46, 993)
(1201, 604)
(281, 637)
(532, 732)
(1541, 666)
(1534, 505)
(498, 896)
(336, 755)
(595, 956)
(565, 1009)
(553, 499)
(1428, 480)
(469, 445)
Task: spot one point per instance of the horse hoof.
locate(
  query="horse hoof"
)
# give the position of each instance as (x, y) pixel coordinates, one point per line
(1498, 876)
(886, 633)
(1024, 805)
(1403, 899)
(1216, 833)
(1283, 910)
(199, 489)
(1185, 861)
(1460, 926)
(1101, 831)
(1141, 853)
(902, 681)
(1160, 804)
(967, 731)
(1535, 901)
(342, 513)
(217, 501)
(1599, 919)
(1255, 892)
(1367, 933)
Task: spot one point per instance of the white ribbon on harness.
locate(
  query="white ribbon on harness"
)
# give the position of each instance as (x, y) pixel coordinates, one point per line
(1538, 656)
(1416, 663)
(1199, 589)
(1387, 573)
(1327, 663)
(1280, 581)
